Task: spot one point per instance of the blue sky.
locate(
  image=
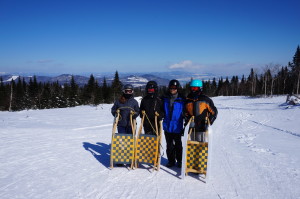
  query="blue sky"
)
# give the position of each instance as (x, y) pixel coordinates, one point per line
(82, 36)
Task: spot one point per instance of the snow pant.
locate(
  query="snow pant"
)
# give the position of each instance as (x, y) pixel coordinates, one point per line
(198, 136)
(174, 147)
(125, 129)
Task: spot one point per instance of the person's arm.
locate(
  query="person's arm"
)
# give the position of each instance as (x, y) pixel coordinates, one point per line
(142, 107)
(114, 109)
(214, 112)
(136, 110)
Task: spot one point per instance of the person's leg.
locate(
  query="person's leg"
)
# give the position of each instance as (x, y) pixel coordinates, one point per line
(128, 130)
(170, 149)
(121, 129)
(178, 148)
(198, 136)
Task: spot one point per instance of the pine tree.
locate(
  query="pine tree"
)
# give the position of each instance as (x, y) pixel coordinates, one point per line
(33, 92)
(73, 93)
(296, 68)
(18, 96)
(4, 96)
(88, 94)
(106, 92)
(116, 86)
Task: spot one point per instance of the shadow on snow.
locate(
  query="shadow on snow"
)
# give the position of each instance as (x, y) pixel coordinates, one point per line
(100, 151)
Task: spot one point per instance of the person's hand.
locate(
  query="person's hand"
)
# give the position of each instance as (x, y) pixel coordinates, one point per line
(212, 118)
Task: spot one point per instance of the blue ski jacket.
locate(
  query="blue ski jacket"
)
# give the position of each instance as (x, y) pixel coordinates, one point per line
(173, 119)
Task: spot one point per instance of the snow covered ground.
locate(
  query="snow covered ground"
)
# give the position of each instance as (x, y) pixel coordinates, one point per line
(64, 153)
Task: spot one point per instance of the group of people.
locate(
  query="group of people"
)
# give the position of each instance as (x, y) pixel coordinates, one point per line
(173, 108)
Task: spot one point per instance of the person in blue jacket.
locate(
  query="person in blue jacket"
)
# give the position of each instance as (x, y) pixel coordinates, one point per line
(127, 105)
(173, 103)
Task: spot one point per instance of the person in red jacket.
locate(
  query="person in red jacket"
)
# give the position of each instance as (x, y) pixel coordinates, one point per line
(202, 108)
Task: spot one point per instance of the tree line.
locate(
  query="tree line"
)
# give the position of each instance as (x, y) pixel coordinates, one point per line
(20, 95)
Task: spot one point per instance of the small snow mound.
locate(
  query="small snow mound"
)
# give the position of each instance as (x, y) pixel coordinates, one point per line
(292, 100)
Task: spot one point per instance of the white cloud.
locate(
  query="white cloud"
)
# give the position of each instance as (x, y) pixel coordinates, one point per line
(182, 65)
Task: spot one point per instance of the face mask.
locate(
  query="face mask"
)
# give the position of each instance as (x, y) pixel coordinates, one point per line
(127, 96)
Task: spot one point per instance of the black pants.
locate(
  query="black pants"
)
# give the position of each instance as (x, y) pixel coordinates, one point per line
(174, 147)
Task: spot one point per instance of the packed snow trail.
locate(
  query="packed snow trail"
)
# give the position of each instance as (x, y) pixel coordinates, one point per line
(64, 153)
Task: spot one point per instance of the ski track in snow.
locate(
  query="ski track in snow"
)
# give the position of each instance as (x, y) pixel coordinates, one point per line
(63, 153)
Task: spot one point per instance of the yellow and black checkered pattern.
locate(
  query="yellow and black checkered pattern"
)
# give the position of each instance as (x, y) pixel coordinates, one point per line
(197, 154)
(122, 148)
(146, 149)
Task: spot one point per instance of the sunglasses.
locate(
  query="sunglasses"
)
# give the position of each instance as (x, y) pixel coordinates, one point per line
(173, 88)
(128, 91)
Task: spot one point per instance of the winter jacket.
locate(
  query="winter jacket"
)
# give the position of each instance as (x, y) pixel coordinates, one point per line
(200, 106)
(173, 118)
(125, 106)
(151, 104)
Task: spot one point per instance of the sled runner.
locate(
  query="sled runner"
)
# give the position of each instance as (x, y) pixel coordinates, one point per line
(122, 145)
(196, 154)
(147, 146)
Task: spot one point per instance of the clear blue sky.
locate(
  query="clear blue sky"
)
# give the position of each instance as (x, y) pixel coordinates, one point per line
(76, 36)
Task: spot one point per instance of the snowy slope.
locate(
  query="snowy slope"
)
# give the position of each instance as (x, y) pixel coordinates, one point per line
(64, 153)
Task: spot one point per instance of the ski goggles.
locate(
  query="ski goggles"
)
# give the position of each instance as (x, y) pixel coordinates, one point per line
(193, 88)
(128, 91)
(151, 90)
(173, 88)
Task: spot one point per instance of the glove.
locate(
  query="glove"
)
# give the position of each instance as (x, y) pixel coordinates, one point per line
(212, 118)
(192, 125)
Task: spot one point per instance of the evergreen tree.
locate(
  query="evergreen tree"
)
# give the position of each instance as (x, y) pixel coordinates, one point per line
(106, 91)
(73, 93)
(88, 94)
(18, 96)
(4, 96)
(33, 93)
(296, 69)
(116, 86)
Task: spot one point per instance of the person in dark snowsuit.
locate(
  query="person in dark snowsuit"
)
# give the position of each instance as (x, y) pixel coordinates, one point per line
(201, 107)
(152, 105)
(127, 105)
(173, 103)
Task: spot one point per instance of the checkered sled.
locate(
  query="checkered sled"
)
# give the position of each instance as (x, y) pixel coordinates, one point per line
(196, 157)
(122, 149)
(147, 146)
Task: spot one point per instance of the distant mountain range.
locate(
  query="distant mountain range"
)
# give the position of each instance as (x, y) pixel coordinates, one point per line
(136, 79)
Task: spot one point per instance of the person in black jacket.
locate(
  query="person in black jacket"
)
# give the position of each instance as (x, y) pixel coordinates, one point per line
(127, 105)
(152, 105)
(202, 108)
